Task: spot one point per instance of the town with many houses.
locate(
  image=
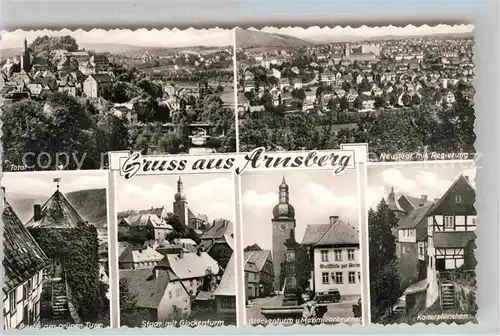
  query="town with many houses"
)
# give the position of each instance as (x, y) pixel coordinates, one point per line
(178, 101)
(177, 277)
(361, 77)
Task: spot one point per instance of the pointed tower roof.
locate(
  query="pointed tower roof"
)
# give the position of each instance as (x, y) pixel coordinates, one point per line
(57, 212)
(392, 201)
(179, 195)
(23, 256)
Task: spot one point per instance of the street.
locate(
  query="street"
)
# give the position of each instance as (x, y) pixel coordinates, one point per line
(337, 312)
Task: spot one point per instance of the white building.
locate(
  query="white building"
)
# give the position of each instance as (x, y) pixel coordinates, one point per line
(336, 257)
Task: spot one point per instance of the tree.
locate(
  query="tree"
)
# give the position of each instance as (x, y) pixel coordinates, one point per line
(343, 103)
(130, 315)
(49, 43)
(384, 274)
(379, 102)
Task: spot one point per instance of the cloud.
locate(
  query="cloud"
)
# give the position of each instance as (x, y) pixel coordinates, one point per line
(141, 37)
(252, 199)
(318, 33)
(313, 205)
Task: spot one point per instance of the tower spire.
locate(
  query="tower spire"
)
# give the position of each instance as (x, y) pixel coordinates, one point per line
(57, 180)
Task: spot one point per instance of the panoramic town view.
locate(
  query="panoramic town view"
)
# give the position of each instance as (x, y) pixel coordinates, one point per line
(422, 224)
(302, 261)
(87, 93)
(399, 89)
(176, 264)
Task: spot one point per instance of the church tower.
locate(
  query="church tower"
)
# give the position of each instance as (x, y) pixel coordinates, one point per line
(347, 51)
(26, 58)
(180, 203)
(283, 223)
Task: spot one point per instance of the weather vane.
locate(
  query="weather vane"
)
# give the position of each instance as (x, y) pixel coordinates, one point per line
(57, 180)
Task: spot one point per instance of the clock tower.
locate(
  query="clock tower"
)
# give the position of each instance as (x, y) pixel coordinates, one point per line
(283, 223)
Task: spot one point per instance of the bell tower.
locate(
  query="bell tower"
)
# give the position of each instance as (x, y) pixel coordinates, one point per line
(180, 203)
(283, 223)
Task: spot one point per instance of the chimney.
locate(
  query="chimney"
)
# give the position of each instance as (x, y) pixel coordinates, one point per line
(37, 212)
(333, 219)
(198, 251)
(181, 253)
(423, 200)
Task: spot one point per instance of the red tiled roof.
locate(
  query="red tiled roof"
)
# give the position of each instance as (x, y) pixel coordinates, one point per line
(23, 258)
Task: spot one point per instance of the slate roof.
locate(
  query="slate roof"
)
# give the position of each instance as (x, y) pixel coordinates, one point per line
(137, 254)
(23, 258)
(258, 258)
(340, 233)
(57, 212)
(227, 286)
(102, 78)
(148, 288)
(220, 232)
(191, 265)
(453, 239)
(415, 217)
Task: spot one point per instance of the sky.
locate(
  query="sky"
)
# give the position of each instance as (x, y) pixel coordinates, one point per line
(42, 183)
(209, 194)
(315, 195)
(319, 33)
(415, 179)
(171, 38)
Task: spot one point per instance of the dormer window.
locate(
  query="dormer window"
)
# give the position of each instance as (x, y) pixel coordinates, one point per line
(458, 199)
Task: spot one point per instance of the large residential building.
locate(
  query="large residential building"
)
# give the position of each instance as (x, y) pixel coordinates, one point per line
(24, 262)
(451, 226)
(95, 83)
(334, 250)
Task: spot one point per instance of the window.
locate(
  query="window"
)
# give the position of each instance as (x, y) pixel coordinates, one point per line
(403, 249)
(458, 199)
(228, 302)
(338, 278)
(13, 302)
(324, 255)
(170, 295)
(338, 255)
(359, 276)
(352, 277)
(449, 222)
(350, 255)
(430, 259)
(25, 291)
(325, 278)
(290, 255)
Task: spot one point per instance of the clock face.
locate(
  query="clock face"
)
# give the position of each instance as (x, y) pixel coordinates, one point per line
(283, 226)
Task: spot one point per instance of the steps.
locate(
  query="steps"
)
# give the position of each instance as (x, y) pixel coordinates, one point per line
(59, 301)
(447, 295)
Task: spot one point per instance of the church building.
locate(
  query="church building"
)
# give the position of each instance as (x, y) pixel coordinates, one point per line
(186, 215)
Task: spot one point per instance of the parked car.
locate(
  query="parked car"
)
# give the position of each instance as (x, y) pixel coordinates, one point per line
(356, 309)
(332, 295)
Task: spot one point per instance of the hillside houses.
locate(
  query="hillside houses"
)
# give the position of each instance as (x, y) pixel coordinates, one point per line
(377, 75)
